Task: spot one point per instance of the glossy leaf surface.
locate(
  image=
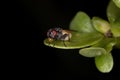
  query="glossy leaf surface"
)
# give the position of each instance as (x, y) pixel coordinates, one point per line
(113, 12)
(117, 2)
(116, 28)
(104, 63)
(101, 25)
(81, 23)
(118, 42)
(92, 51)
(107, 44)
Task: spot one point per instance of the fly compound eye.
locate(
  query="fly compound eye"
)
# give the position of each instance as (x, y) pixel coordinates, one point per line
(51, 33)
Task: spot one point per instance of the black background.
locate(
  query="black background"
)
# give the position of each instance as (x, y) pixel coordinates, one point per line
(34, 18)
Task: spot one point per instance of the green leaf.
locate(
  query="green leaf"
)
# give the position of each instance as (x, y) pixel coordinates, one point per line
(104, 63)
(92, 51)
(81, 23)
(78, 40)
(116, 28)
(106, 43)
(101, 25)
(113, 12)
(118, 42)
(117, 2)
(102, 47)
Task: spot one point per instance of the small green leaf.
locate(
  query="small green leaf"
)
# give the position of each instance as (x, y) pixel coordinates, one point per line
(106, 43)
(118, 42)
(113, 12)
(92, 51)
(117, 2)
(78, 40)
(101, 25)
(116, 28)
(81, 23)
(104, 63)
